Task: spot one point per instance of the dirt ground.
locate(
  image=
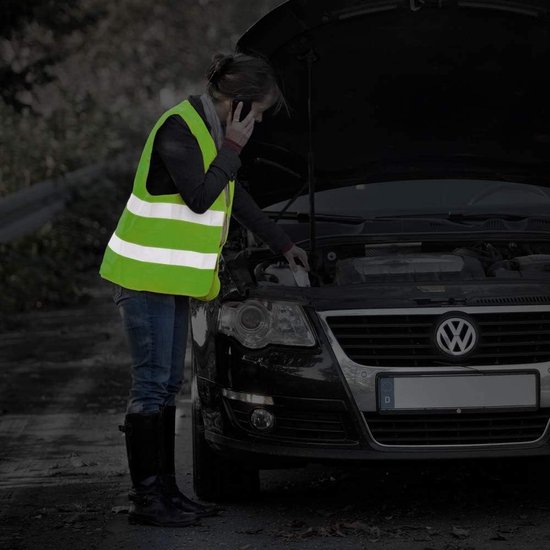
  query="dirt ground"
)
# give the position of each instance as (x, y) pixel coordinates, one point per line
(63, 476)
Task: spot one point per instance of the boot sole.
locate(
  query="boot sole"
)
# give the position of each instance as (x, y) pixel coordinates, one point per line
(205, 514)
(145, 520)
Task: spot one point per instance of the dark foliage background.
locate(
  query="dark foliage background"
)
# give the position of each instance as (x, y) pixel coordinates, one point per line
(82, 81)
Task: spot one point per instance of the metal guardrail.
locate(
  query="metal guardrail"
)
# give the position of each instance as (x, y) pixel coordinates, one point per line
(29, 209)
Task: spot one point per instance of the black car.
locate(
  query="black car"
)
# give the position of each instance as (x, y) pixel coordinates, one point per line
(413, 165)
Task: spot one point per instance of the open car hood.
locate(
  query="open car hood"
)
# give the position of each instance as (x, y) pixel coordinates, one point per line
(403, 89)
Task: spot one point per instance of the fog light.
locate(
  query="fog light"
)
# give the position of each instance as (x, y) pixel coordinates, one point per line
(262, 420)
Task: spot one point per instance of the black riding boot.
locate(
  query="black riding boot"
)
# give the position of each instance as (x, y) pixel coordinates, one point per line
(168, 469)
(149, 505)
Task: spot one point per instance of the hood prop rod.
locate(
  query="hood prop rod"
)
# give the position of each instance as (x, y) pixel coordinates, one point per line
(310, 57)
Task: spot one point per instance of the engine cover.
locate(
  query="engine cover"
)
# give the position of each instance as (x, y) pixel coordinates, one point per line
(408, 267)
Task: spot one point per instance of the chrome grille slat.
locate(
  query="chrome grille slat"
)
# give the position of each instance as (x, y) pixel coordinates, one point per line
(513, 344)
(382, 346)
(514, 323)
(385, 325)
(383, 336)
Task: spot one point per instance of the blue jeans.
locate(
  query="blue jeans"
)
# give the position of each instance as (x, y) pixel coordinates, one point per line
(156, 328)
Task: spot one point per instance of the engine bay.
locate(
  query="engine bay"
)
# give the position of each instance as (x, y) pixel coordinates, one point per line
(415, 262)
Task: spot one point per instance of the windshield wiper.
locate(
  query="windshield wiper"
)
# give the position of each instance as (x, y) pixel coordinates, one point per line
(453, 217)
(305, 217)
(459, 216)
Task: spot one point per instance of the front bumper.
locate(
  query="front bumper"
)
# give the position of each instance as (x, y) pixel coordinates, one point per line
(320, 430)
(330, 406)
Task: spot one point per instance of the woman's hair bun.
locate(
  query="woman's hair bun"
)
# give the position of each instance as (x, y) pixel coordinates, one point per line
(218, 66)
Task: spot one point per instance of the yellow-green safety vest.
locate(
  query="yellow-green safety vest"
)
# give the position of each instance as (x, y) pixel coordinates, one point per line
(160, 244)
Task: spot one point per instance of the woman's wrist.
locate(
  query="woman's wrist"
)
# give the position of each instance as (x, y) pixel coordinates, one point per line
(234, 146)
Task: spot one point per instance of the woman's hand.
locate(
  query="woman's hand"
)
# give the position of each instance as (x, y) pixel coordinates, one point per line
(237, 130)
(298, 253)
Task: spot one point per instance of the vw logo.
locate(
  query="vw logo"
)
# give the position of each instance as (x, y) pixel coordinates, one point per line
(456, 336)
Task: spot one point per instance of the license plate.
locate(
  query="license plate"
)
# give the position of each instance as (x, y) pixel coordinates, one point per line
(400, 393)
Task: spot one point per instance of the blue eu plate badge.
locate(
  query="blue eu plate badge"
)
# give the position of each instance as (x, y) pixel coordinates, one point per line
(386, 396)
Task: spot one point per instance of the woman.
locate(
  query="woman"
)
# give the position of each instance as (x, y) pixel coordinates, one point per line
(166, 248)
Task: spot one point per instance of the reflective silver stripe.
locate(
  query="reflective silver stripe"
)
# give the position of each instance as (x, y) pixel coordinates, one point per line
(171, 211)
(167, 256)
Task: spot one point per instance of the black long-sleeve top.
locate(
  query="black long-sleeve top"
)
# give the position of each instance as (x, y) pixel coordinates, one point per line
(177, 167)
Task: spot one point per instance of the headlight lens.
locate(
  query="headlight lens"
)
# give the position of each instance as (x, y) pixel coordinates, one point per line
(256, 324)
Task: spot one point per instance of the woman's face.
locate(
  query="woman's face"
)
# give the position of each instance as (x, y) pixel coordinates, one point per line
(259, 107)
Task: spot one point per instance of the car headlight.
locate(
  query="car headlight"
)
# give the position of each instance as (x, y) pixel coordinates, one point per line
(256, 324)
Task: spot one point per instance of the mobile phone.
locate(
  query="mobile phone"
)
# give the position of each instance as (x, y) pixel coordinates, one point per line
(247, 106)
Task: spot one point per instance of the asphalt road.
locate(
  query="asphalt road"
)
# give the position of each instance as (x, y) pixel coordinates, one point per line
(63, 477)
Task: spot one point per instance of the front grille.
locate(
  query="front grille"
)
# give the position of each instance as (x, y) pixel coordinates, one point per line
(309, 427)
(407, 340)
(454, 429)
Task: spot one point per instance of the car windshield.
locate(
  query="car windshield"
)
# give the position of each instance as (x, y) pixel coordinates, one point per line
(425, 197)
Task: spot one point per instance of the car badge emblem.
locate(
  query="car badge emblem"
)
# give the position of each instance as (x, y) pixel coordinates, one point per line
(456, 336)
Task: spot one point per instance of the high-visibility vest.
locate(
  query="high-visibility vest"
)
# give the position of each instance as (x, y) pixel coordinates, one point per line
(160, 244)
